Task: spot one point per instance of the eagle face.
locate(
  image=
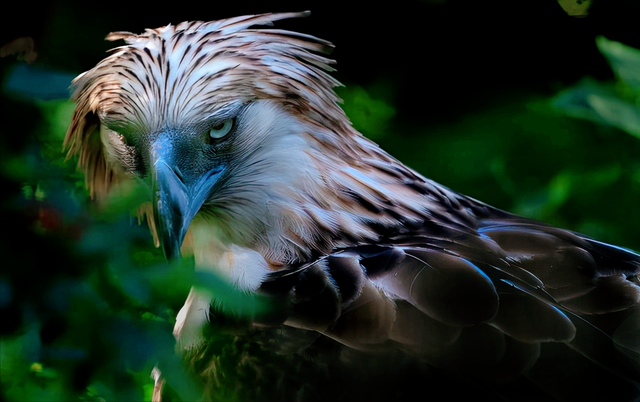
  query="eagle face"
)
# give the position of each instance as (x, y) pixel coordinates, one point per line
(217, 120)
(227, 168)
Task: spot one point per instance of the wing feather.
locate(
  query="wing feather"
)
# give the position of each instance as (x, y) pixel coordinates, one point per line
(486, 301)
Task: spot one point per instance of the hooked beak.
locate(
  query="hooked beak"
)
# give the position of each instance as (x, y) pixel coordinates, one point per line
(176, 200)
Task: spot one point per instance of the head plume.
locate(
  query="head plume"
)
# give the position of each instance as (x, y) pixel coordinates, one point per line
(190, 71)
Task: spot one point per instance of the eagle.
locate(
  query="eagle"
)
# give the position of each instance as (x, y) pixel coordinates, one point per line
(385, 281)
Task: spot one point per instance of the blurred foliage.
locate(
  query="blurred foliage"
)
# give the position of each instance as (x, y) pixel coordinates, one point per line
(85, 314)
(617, 103)
(543, 157)
(576, 8)
(369, 110)
(88, 303)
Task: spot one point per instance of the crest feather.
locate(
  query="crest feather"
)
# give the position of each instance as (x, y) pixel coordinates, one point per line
(187, 72)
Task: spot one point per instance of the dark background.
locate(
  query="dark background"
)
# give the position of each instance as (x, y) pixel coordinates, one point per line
(462, 91)
(426, 46)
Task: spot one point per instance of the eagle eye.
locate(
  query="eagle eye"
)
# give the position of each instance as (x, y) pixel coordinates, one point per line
(221, 129)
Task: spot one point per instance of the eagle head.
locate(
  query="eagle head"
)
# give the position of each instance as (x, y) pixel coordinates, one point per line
(234, 125)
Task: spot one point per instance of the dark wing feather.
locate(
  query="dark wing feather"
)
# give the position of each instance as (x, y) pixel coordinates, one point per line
(496, 302)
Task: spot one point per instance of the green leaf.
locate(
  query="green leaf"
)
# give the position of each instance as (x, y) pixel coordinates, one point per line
(574, 101)
(615, 104)
(617, 112)
(576, 8)
(369, 114)
(624, 60)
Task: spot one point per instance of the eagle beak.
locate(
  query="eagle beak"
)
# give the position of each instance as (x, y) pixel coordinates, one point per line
(176, 199)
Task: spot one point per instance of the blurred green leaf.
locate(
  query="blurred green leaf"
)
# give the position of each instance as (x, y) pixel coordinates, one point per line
(615, 104)
(617, 112)
(624, 60)
(368, 113)
(576, 8)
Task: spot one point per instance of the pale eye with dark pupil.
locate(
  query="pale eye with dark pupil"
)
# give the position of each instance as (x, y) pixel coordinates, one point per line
(221, 129)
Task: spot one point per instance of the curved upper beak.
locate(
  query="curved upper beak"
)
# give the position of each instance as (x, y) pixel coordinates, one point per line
(176, 200)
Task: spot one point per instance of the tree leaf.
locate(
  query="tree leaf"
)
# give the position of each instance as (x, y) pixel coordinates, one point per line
(624, 60)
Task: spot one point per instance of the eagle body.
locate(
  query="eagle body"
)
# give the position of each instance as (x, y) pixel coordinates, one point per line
(254, 169)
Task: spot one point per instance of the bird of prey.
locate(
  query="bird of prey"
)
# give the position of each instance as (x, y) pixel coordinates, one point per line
(411, 288)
